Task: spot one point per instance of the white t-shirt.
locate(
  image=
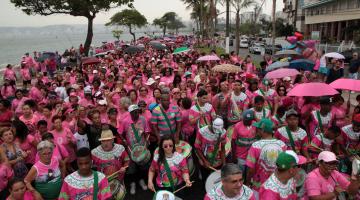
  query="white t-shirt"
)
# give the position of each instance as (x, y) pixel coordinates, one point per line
(81, 140)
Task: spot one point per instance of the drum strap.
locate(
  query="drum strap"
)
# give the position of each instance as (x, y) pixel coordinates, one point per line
(136, 133)
(198, 107)
(264, 113)
(96, 185)
(166, 119)
(319, 121)
(263, 93)
(279, 119)
(291, 139)
(169, 175)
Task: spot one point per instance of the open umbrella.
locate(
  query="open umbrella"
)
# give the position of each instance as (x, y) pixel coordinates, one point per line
(334, 55)
(181, 50)
(158, 46)
(281, 73)
(287, 53)
(312, 90)
(346, 84)
(302, 64)
(90, 61)
(208, 58)
(133, 49)
(277, 65)
(227, 68)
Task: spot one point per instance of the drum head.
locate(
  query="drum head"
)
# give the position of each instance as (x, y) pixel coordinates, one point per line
(139, 153)
(212, 180)
(356, 166)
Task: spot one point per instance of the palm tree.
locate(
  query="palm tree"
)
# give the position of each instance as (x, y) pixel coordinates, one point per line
(239, 5)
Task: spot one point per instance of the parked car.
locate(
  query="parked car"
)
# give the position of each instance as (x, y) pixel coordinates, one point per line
(256, 48)
(244, 43)
(268, 48)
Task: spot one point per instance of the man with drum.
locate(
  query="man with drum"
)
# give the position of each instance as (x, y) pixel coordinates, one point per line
(281, 185)
(231, 186)
(292, 135)
(262, 155)
(135, 130)
(166, 119)
(210, 147)
(110, 158)
(202, 113)
(85, 183)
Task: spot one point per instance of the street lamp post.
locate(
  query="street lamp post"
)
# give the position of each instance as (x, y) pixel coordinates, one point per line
(273, 26)
(227, 18)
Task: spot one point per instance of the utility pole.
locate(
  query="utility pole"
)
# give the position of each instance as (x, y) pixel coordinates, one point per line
(227, 34)
(273, 27)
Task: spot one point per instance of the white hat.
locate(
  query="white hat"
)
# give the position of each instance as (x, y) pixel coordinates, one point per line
(133, 107)
(150, 81)
(157, 77)
(218, 123)
(287, 78)
(95, 71)
(102, 102)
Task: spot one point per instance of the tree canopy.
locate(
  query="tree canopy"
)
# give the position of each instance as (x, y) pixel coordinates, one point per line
(164, 21)
(84, 8)
(128, 17)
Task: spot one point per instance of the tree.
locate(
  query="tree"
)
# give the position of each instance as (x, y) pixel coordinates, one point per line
(165, 20)
(117, 33)
(239, 5)
(130, 18)
(83, 8)
(176, 25)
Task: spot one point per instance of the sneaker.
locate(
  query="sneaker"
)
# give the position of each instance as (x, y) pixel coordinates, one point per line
(132, 188)
(142, 184)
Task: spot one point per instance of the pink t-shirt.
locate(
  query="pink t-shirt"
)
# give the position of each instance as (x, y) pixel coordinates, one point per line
(30, 123)
(141, 126)
(27, 146)
(9, 74)
(274, 189)
(42, 171)
(62, 139)
(35, 94)
(339, 115)
(244, 137)
(186, 128)
(25, 73)
(316, 184)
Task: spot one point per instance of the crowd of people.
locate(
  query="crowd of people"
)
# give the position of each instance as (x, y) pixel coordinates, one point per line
(159, 121)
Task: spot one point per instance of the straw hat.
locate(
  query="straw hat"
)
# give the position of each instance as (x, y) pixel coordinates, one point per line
(106, 135)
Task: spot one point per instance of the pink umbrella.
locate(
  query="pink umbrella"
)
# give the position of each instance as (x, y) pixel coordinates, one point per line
(281, 73)
(208, 58)
(90, 61)
(346, 84)
(312, 90)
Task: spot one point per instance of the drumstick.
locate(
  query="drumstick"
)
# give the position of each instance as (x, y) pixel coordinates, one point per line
(115, 173)
(181, 188)
(212, 168)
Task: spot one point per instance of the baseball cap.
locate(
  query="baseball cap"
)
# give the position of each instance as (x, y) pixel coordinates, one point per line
(87, 90)
(187, 73)
(265, 82)
(248, 115)
(286, 160)
(327, 156)
(102, 102)
(265, 124)
(291, 112)
(150, 81)
(152, 106)
(133, 107)
(157, 77)
(95, 71)
(218, 123)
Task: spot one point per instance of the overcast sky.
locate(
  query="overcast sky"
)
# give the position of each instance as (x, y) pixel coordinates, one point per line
(11, 16)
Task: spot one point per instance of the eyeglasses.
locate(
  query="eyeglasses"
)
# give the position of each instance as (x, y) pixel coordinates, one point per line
(168, 146)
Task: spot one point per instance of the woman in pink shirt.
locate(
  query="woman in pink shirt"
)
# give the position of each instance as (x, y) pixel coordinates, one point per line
(249, 66)
(144, 95)
(25, 141)
(63, 136)
(9, 73)
(18, 191)
(29, 118)
(25, 75)
(8, 89)
(132, 94)
(340, 112)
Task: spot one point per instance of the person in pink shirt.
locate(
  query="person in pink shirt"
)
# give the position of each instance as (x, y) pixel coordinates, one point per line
(80, 184)
(144, 95)
(18, 191)
(259, 109)
(17, 103)
(325, 141)
(8, 89)
(243, 137)
(9, 73)
(6, 173)
(63, 136)
(29, 118)
(262, 155)
(281, 185)
(321, 119)
(187, 130)
(25, 141)
(231, 186)
(340, 111)
(325, 182)
(25, 75)
(35, 93)
(249, 66)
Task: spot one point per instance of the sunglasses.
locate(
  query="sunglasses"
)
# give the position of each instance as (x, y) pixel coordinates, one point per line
(168, 146)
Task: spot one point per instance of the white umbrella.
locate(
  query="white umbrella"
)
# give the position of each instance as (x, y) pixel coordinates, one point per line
(334, 55)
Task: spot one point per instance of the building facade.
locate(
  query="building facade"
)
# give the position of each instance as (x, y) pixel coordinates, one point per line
(294, 13)
(335, 20)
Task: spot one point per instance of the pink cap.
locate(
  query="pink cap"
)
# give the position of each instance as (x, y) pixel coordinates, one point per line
(73, 94)
(327, 156)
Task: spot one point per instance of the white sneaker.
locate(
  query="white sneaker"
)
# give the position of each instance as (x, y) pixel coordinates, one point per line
(142, 184)
(132, 188)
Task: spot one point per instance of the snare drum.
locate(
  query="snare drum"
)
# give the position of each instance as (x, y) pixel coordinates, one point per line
(140, 155)
(212, 180)
(165, 195)
(117, 189)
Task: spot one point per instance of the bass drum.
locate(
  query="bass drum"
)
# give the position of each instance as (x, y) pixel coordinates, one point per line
(117, 189)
